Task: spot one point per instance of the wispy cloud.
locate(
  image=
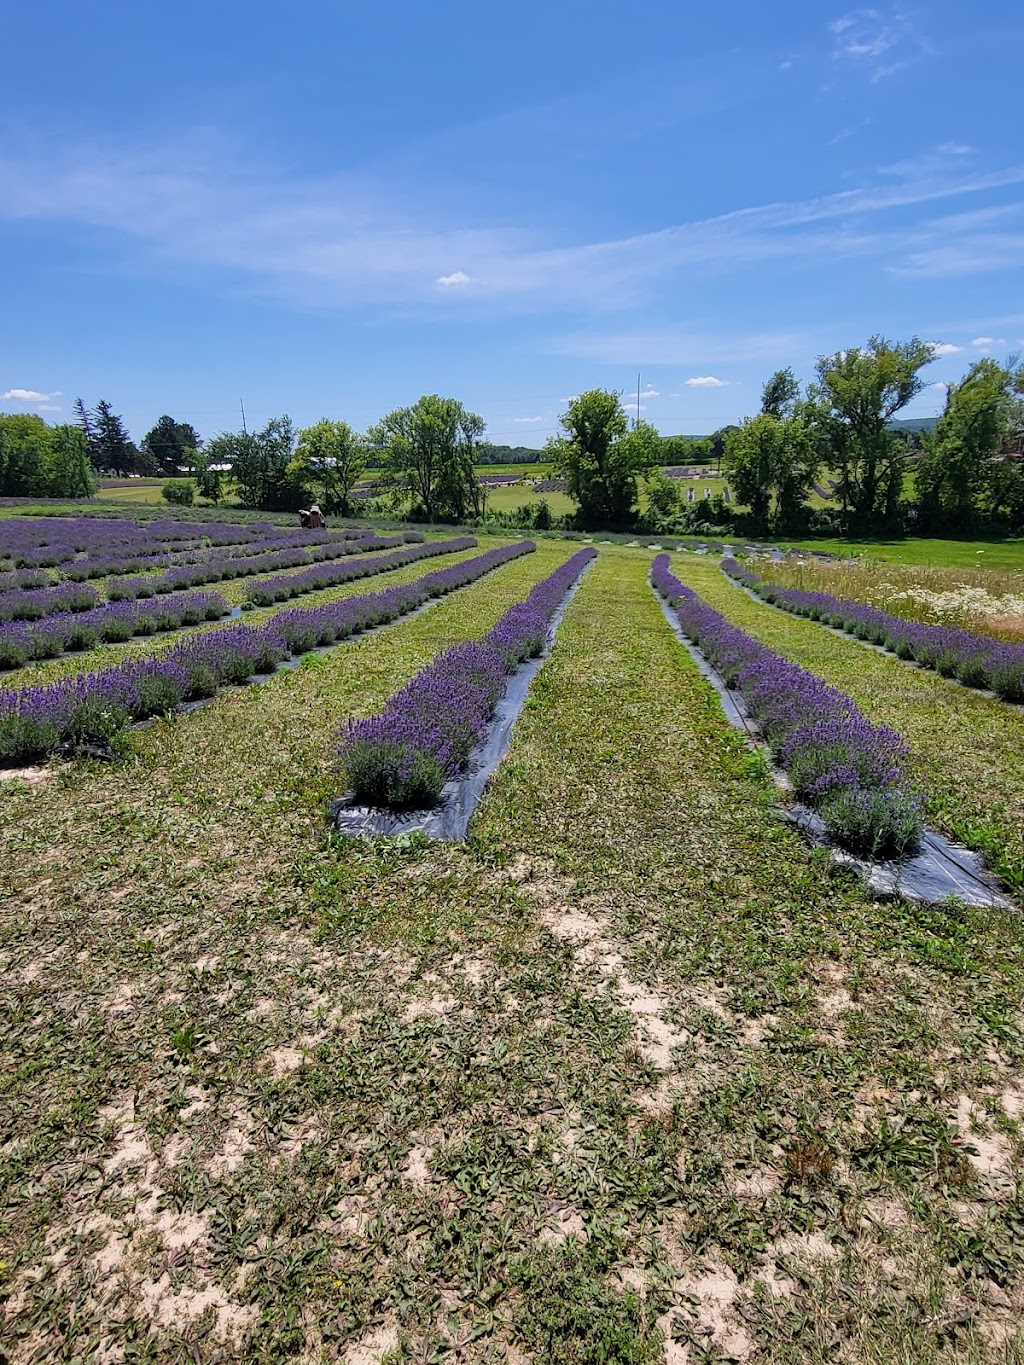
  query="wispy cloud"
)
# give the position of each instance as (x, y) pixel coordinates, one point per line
(31, 396)
(987, 343)
(528, 419)
(634, 406)
(944, 348)
(650, 393)
(705, 381)
(878, 43)
(332, 243)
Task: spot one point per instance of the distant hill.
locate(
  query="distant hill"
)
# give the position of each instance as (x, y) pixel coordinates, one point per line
(913, 424)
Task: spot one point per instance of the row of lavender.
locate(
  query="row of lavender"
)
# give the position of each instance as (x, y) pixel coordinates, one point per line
(35, 542)
(79, 628)
(109, 623)
(221, 568)
(975, 660)
(35, 721)
(401, 759)
(852, 772)
(39, 603)
(270, 590)
(157, 556)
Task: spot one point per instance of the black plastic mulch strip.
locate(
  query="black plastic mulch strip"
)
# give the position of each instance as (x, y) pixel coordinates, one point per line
(938, 871)
(449, 819)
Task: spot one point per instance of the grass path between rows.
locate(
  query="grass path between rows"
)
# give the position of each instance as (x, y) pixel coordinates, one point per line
(967, 749)
(148, 646)
(629, 1076)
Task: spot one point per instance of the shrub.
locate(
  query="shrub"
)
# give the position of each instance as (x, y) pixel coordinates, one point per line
(180, 492)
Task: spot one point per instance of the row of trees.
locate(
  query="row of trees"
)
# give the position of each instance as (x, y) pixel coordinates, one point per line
(967, 474)
(425, 455)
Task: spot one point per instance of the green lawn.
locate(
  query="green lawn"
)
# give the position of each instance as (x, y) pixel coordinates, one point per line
(996, 554)
(629, 1064)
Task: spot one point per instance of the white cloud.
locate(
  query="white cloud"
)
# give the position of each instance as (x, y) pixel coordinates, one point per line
(338, 243)
(571, 399)
(527, 419)
(864, 36)
(31, 396)
(955, 148)
(986, 343)
(635, 407)
(705, 381)
(941, 348)
(650, 393)
(49, 407)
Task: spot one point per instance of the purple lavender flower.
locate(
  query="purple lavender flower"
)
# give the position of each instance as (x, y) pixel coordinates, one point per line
(852, 771)
(402, 758)
(975, 660)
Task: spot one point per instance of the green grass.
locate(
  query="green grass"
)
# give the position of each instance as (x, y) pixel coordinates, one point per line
(628, 1063)
(967, 749)
(505, 499)
(994, 554)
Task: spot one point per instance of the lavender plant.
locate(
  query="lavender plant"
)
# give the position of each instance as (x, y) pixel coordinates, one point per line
(401, 759)
(851, 771)
(35, 721)
(975, 660)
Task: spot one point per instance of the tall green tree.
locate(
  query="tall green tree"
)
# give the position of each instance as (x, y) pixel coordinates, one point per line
(37, 461)
(86, 423)
(772, 464)
(209, 478)
(329, 459)
(429, 451)
(114, 448)
(171, 446)
(259, 463)
(780, 393)
(603, 459)
(959, 482)
(858, 392)
(68, 469)
(25, 442)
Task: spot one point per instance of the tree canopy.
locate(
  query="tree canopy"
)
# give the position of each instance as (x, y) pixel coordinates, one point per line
(38, 461)
(171, 445)
(329, 459)
(428, 451)
(602, 458)
(857, 394)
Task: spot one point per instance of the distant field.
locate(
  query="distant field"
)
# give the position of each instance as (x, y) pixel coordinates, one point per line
(995, 554)
(504, 499)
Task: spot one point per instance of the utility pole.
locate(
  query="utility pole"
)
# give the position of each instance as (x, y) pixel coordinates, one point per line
(242, 406)
(637, 418)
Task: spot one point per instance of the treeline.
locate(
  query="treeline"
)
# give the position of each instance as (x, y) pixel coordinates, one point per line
(65, 461)
(966, 473)
(963, 473)
(38, 461)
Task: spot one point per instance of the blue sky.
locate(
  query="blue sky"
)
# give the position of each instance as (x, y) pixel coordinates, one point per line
(329, 209)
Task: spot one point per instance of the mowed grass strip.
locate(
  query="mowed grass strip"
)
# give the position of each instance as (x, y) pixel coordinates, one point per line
(629, 1063)
(967, 750)
(148, 646)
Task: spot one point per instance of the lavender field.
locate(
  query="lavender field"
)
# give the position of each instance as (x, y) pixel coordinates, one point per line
(632, 1073)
